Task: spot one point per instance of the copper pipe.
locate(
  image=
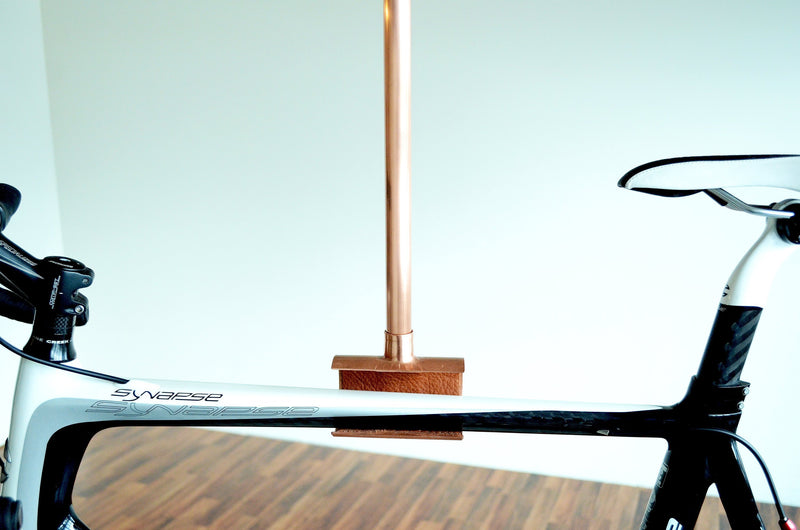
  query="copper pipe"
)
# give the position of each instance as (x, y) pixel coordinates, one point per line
(397, 87)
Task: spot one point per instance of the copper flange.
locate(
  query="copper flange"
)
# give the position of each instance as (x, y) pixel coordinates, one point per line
(422, 375)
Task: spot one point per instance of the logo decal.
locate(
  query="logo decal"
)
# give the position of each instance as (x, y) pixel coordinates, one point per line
(16, 252)
(672, 524)
(128, 394)
(54, 292)
(119, 408)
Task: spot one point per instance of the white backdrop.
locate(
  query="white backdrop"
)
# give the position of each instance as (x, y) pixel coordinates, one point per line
(26, 158)
(220, 166)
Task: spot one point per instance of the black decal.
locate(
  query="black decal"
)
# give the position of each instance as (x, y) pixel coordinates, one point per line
(270, 411)
(302, 411)
(235, 411)
(137, 395)
(200, 410)
(128, 394)
(106, 406)
(134, 410)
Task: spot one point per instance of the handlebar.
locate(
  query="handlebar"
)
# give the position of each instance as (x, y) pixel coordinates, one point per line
(49, 286)
(43, 292)
(10, 198)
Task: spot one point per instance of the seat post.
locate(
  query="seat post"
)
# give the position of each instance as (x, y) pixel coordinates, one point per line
(751, 280)
(717, 383)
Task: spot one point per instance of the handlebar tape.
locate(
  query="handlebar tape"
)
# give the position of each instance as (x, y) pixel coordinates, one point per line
(9, 202)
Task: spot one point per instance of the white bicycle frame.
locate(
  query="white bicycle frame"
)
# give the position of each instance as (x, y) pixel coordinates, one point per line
(56, 412)
(48, 401)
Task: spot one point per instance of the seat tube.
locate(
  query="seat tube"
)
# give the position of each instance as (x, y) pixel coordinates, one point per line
(727, 348)
(740, 308)
(715, 399)
(751, 281)
(680, 490)
(691, 465)
(734, 489)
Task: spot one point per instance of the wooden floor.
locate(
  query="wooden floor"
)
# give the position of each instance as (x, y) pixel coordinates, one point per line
(154, 478)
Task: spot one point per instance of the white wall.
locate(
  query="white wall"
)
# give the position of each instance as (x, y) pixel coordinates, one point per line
(26, 159)
(220, 166)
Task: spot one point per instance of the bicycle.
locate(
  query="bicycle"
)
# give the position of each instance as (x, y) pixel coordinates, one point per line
(59, 407)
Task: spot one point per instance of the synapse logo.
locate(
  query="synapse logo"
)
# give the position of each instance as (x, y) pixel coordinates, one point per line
(672, 524)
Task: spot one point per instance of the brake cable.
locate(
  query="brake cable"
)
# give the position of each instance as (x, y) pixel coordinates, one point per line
(59, 366)
(17, 308)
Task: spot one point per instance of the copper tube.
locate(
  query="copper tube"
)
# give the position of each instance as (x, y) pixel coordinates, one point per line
(397, 87)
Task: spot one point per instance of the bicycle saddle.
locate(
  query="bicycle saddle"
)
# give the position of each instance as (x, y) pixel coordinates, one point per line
(679, 177)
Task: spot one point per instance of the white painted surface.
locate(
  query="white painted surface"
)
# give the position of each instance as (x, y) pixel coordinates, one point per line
(26, 158)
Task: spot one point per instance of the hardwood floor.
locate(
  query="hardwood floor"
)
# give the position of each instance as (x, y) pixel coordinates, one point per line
(159, 478)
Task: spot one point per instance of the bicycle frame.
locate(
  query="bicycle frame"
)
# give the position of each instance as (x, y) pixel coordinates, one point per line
(56, 413)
